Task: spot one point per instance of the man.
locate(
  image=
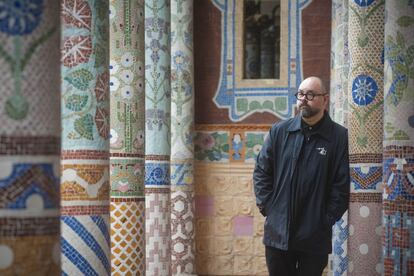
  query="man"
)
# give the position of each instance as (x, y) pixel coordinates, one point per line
(301, 181)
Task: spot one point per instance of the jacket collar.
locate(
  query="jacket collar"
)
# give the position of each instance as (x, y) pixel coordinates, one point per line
(324, 129)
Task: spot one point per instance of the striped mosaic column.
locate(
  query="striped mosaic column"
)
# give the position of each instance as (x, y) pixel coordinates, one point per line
(338, 111)
(85, 138)
(157, 137)
(365, 94)
(127, 137)
(29, 138)
(398, 198)
(182, 148)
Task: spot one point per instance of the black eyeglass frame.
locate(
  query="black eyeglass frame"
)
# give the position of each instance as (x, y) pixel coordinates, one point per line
(309, 95)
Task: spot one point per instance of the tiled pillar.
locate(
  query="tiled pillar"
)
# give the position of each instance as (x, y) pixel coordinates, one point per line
(182, 148)
(127, 139)
(338, 111)
(157, 137)
(85, 138)
(365, 94)
(29, 138)
(398, 178)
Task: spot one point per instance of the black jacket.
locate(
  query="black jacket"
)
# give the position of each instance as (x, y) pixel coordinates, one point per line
(301, 181)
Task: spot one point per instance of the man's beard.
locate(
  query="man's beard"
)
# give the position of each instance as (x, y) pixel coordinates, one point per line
(306, 111)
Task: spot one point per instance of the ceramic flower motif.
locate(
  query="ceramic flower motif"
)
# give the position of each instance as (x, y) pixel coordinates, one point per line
(363, 3)
(127, 76)
(254, 143)
(212, 146)
(20, 17)
(127, 60)
(364, 90)
(180, 61)
(127, 92)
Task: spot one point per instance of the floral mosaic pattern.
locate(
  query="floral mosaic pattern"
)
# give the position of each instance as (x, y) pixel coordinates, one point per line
(364, 3)
(398, 157)
(212, 146)
(127, 136)
(399, 68)
(365, 121)
(158, 136)
(182, 148)
(157, 78)
(85, 239)
(254, 142)
(20, 19)
(29, 138)
(85, 108)
(364, 90)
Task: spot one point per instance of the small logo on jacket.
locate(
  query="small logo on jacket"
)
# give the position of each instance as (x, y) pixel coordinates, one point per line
(322, 151)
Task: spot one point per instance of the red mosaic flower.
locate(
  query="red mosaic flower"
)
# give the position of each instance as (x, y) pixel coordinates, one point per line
(76, 50)
(76, 13)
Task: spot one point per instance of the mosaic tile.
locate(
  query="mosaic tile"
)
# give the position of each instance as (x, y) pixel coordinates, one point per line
(29, 186)
(365, 124)
(254, 142)
(85, 138)
(128, 237)
(181, 172)
(366, 177)
(213, 146)
(29, 138)
(398, 207)
(29, 70)
(157, 231)
(84, 244)
(157, 81)
(127, 176)
(182, 233)
(364, 238)
(157, 173)
(248, 97)
(35, 255)
(29, 145)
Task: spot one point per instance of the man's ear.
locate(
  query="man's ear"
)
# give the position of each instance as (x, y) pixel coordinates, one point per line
(326, 99)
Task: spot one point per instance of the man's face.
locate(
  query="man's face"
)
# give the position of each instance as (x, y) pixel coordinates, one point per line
(311, 108)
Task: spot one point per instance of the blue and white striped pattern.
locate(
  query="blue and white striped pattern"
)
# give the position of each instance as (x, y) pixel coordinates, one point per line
(85, 245)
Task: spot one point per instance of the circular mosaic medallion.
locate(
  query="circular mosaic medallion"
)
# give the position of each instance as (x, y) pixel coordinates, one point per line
(363, 3)
(364, 90)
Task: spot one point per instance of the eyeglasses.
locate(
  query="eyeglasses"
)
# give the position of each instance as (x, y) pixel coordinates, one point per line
(309, 95)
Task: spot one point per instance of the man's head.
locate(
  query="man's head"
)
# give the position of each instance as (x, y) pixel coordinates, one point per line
(312, 107)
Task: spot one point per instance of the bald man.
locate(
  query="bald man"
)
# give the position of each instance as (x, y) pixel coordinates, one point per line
(301, 182)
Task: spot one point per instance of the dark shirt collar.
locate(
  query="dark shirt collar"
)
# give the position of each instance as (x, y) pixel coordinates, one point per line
(323, 127)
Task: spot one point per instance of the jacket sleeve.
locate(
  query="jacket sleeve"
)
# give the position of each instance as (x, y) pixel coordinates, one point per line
(339, 194)
(263, 174)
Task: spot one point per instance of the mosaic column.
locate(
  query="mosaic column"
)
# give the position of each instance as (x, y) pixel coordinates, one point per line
(29, 138)
(157, 137)
(338, 111)
(127, 137)
(398, 178)
(365, 94)
(182, 148)
(85, 138)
